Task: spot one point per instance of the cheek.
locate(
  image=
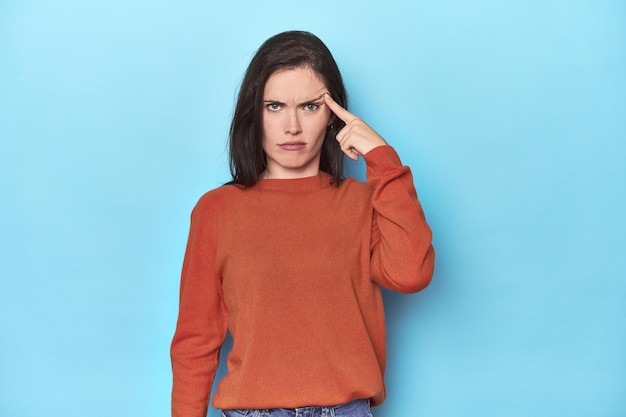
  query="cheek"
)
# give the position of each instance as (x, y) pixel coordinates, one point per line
(270, 127)
(267, 133)
(319, 123)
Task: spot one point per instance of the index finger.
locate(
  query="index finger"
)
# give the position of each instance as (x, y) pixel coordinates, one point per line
(342, 113)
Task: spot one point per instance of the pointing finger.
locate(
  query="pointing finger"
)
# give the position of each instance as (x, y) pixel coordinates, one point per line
(342, 113)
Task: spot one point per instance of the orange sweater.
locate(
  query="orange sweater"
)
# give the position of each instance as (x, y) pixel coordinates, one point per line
(292, 269)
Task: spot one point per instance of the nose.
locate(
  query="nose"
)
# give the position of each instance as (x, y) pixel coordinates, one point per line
(292, 124)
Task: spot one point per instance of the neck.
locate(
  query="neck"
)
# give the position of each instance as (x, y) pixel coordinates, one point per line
(270, 175)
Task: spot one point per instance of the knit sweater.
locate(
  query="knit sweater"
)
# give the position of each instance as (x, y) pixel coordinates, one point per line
(292, 268)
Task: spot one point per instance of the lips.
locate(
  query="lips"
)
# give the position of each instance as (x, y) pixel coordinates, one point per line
(292, 146)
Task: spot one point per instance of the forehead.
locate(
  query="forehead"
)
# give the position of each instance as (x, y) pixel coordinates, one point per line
(296, 84)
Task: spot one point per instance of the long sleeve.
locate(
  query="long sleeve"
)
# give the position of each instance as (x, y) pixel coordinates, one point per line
(402, 256)
(202, 318)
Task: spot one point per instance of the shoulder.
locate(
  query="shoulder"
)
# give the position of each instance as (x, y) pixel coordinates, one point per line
(355, 188)
(216, 199)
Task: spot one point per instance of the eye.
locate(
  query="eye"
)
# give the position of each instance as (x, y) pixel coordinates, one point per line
(273, 106)
(311, 107)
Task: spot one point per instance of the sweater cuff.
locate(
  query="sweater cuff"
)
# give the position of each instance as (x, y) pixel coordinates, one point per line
(382, 158)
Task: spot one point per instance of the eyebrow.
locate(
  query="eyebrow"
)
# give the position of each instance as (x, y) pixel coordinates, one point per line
(313, 100)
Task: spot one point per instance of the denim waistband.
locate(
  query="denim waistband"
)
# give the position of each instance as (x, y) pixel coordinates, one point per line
(357, 408)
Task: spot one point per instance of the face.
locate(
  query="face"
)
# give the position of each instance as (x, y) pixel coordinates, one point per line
(295, 119)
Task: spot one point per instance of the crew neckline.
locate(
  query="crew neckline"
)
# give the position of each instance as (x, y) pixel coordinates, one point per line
(295, 185)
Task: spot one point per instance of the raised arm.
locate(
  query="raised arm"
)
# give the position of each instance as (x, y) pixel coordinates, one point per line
(402, 256)
(402, 253)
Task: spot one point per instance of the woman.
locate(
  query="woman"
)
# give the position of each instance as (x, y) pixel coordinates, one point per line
(289, 257)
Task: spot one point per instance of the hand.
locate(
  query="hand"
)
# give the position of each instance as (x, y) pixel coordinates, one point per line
(356, 138)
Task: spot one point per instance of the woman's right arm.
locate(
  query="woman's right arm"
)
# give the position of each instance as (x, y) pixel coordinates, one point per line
(202, 318)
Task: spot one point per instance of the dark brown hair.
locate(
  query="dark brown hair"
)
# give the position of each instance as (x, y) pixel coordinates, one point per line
(287, 50)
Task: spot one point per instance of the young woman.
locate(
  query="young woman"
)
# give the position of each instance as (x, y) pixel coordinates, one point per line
(289, 257)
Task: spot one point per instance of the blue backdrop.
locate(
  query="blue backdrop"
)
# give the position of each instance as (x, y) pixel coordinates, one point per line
(113, 121)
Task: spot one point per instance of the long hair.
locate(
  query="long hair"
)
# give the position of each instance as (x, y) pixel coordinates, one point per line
(287, 50)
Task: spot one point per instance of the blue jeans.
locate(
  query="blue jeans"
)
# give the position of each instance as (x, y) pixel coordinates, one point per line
(358, 408)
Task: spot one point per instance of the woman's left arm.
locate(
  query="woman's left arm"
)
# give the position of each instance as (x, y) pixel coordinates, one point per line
(402, 256)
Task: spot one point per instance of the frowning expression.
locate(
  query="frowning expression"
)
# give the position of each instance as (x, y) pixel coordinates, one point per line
(295, 120)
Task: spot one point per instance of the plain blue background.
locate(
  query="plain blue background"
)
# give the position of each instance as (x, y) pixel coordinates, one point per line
(113, 121)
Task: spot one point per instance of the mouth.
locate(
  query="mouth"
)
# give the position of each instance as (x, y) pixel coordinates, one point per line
(292, 146)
